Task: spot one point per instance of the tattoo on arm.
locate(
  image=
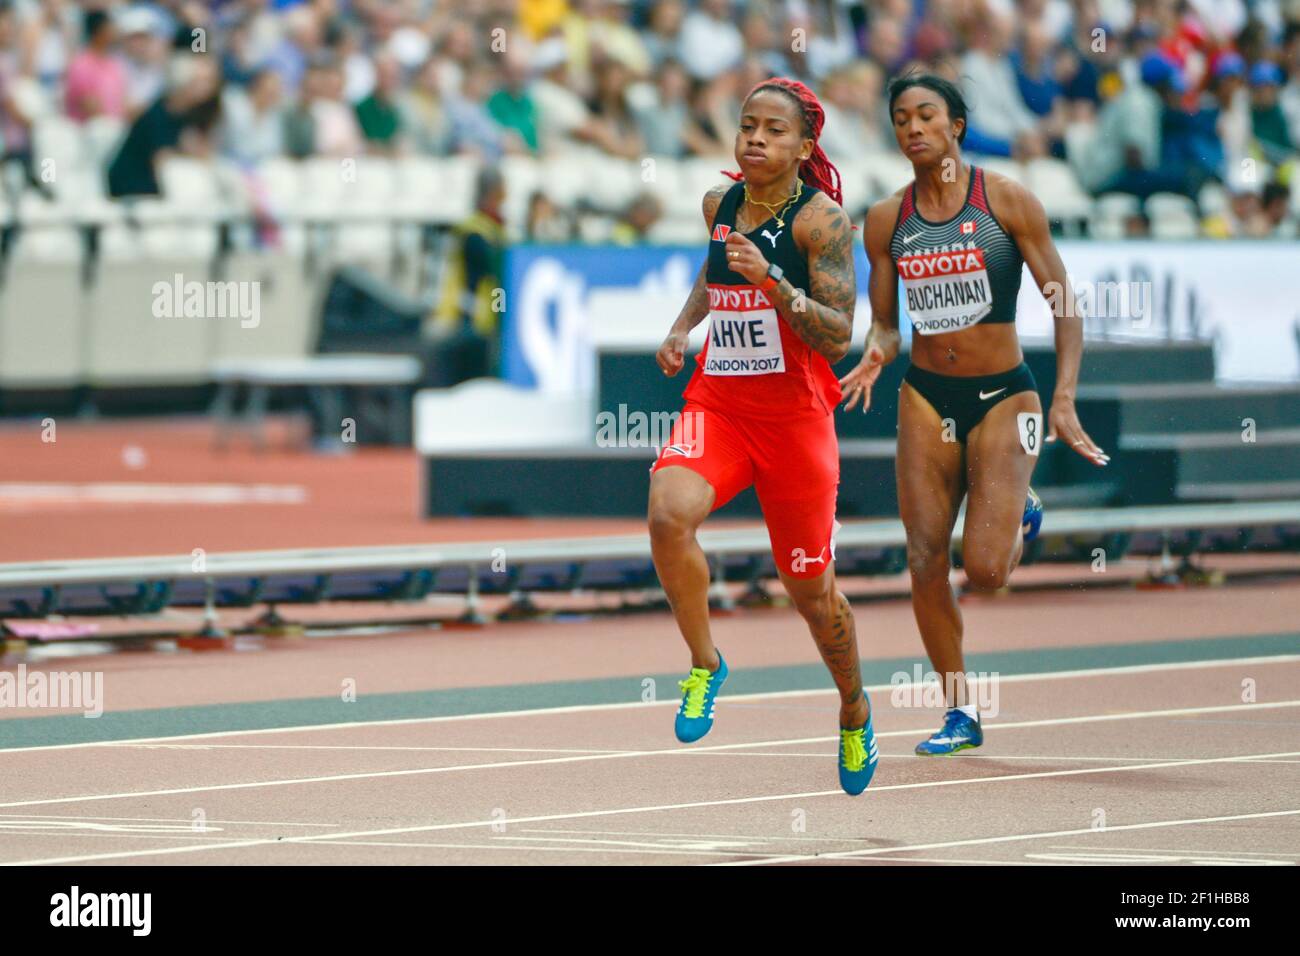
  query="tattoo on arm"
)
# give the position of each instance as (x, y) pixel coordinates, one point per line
(823, 315)
(712, 200)
(697, 303)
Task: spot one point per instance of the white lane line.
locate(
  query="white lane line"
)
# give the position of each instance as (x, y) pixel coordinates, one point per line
(815, 754)
(947, 862)
(415, 771)
(186, 820)
(985, 841)
(545, 849)
(965, 757)
(616, 755)
(750, 837)
(514, 750)
(497, 821)
(1106, 858)
(711, 845)
(22, 496)
(1125, 715)
(1140, 849)
(114, 835)
(591, 708)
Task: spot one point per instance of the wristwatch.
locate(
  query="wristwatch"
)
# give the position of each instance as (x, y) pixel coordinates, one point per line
(774, 276)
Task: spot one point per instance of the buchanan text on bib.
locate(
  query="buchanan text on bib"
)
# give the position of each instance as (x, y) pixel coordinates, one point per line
(946, 291)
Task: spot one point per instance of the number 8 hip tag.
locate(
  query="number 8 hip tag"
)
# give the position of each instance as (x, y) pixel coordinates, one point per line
(1031, 431)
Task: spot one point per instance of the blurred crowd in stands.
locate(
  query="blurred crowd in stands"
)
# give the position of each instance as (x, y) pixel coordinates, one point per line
(1136, 96)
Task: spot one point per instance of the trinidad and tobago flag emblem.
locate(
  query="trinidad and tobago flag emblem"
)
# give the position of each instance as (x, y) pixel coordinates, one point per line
(720, 232)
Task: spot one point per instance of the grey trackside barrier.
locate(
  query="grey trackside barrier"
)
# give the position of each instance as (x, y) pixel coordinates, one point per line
(411, 572)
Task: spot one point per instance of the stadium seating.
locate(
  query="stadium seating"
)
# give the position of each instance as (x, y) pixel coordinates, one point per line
(333, 192)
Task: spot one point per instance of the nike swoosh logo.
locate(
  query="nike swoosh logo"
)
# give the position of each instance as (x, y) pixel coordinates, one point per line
(911, 238)
(985, 398)
(948, 740)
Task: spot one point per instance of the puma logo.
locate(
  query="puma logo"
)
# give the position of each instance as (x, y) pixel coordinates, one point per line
(799, 559)
(768, 235)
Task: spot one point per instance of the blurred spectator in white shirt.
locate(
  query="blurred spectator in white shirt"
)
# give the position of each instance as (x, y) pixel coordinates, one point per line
(359, 72)
(337, 130)
(456, 48)
(997, 110)
(851, 98)
(827, 36)
(711, 113)
(662, 37)
(887, 43)
(50, 31)
(615, 129)
(666, 122)
(561, 113)
(144, 53)
(321, 124)
(424, 115)
(546, 221)
(711, 41)
(252, 120)
(1227, 91)
(1222, 18)
(300, 43)
(1053, 17)
(760, 36)
(264, 27)
(473, 129)
(613, 36)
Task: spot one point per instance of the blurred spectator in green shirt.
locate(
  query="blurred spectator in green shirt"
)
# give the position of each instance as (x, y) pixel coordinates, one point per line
(1267, 121)
(378, 114)
(512, 107)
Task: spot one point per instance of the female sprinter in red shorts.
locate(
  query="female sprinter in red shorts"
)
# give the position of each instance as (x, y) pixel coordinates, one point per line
(779, 290)
(969, 418)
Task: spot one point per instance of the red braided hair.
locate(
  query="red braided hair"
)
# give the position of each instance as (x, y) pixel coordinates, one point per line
(816, 170)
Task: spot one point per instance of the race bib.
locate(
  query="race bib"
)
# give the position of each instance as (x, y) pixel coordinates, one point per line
(744, 333)
(1031, 432)
(946, 291)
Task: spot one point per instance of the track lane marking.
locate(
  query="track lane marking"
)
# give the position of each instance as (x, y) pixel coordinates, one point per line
(496, 821)
(985, 841)
(588, 708)
(504, 764)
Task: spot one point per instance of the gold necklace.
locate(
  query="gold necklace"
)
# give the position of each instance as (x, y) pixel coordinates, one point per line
(772, 207)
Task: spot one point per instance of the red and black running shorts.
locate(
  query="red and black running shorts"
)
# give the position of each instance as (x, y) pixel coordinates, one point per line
(794, 467)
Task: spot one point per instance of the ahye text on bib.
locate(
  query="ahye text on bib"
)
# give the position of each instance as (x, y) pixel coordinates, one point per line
(744, 332)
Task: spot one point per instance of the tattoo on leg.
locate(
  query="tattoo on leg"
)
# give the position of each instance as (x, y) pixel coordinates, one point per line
(839, 649)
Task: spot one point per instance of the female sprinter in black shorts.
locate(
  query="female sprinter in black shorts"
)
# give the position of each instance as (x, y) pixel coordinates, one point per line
(969, 418)
(778, 288)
